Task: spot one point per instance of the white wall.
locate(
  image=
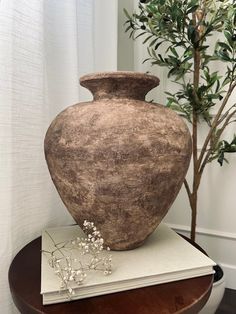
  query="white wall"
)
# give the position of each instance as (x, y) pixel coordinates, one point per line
(216, 224)
(96, 41)
(125, 57)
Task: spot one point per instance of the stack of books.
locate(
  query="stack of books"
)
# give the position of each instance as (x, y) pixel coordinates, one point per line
(164, 257)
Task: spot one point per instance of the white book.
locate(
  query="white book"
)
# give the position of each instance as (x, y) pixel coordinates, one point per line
(164, 257)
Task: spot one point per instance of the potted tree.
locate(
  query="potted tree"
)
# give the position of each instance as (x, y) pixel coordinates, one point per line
(177, 35)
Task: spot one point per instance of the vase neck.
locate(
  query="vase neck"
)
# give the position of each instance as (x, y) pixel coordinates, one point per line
(131, 85)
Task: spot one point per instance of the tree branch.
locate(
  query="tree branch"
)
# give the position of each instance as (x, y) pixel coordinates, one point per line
(214, 125)
(186, 185)
(225, 115)
(227, 121)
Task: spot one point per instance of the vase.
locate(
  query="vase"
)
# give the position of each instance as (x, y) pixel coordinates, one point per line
(118, 161)
(217, 292)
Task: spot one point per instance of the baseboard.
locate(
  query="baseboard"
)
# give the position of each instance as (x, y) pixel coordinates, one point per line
(204, 231)
(230, 274)
(221, 247)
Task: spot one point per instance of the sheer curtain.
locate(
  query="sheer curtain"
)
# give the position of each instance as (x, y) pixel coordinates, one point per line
(45, 46)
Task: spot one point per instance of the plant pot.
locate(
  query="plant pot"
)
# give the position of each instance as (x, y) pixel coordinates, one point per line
(118, 161)
(217, 292)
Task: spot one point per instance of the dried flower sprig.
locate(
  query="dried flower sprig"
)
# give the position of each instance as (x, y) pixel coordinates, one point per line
(89, 257)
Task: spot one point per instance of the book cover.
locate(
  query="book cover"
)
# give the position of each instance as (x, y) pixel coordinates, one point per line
(164, 257)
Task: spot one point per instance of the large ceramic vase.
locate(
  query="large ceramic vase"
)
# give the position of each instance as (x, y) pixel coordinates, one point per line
(118, 161)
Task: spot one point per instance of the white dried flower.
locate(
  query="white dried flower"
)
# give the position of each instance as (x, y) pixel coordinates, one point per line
(72, 271)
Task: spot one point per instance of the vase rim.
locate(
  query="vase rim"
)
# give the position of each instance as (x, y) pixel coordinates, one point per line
(120, 74)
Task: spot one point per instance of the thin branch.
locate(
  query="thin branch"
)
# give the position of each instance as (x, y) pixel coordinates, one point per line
(227, 121)
(186, 185)
(231, 122)
(55, 244)
(225, 114)
(214, 125)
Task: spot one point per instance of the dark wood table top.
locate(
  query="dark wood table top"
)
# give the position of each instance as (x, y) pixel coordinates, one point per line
(186, 296)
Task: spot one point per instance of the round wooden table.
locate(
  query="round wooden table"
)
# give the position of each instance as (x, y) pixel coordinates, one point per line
(186, 296)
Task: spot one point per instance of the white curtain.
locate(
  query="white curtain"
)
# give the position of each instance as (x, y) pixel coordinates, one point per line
(45, 46)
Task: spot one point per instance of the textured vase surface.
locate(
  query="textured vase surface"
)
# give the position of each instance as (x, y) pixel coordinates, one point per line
(118, 161)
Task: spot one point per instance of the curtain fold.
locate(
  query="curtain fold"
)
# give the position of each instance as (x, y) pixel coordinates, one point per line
(45, 46)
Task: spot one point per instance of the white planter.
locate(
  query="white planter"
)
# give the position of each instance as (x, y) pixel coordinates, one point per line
(215, 298)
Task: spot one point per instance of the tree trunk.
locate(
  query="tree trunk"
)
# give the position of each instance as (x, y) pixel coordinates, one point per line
(194, 215)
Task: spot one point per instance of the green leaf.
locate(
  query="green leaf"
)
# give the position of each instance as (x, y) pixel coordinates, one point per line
(225, 46)
(192, 9)
(223, 55)
(128, 28)
(127, 14)
(226, 81)
(153, 42)
(228, 36)
(173, 50)
(217, 86)
(139, 35)
(234, 141)
(192, 34)
(203, 48)
(221, 158)
(158, 44)
(147, 39)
